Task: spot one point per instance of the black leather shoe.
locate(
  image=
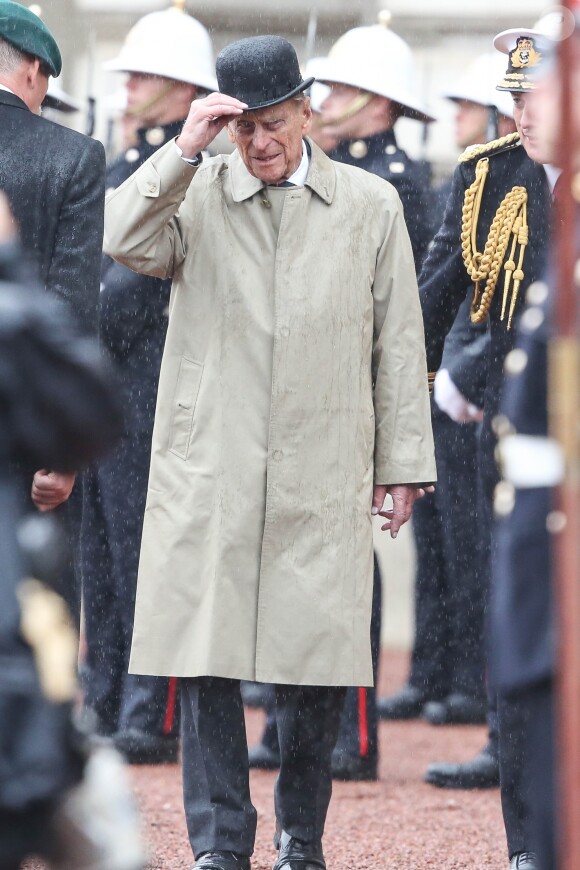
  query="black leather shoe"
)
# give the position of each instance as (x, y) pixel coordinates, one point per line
(353, 768)
(296, 855)
(481, 772)
(456, 709)
(140, 748)
(524, 861)
(261, 757)
(406, 704)
(221, 861)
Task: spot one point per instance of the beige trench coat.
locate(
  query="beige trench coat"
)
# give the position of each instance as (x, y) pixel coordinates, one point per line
(256, 559)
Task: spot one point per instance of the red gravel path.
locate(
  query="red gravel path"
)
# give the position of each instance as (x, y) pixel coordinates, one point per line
(398, 823)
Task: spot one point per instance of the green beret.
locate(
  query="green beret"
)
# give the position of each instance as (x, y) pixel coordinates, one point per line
(27, 32)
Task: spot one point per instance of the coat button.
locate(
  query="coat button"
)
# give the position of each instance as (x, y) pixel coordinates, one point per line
(284, 332)
(277, 455)
(152, 187)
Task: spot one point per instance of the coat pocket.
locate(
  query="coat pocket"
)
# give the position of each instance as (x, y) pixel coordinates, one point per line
(186, 392)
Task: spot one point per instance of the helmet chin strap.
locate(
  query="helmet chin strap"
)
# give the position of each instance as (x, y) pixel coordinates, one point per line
(144, 107)
(355, 106)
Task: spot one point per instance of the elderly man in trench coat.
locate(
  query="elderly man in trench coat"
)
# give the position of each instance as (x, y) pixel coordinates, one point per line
(293, 381)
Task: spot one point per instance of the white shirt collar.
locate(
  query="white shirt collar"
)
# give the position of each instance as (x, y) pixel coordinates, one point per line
(553, 173)
(299, 177)
(6, 88)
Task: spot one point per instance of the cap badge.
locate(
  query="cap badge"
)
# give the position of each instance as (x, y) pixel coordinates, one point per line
(525, 54)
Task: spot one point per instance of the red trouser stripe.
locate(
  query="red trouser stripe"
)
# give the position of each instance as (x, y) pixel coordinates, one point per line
(363, 725)
(170, 706)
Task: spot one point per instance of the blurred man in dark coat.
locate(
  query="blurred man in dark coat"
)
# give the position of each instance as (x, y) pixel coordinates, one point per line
(57, 409)
(54, 179)
(169, 60)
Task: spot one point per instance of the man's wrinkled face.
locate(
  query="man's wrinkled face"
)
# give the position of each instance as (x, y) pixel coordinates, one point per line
(471, 121)
(529, 126)
(270, 140)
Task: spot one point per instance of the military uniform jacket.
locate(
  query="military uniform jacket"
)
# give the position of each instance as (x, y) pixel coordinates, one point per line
(54, 179)
(443, 279)
(381, 155)
(133, 307)
(256, 558)
(522, 620)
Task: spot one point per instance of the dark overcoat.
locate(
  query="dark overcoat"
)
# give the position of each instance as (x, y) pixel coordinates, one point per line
(54, 179)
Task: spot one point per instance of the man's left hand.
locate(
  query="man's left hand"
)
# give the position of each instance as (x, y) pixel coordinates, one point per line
(404, 496)
(51, 488)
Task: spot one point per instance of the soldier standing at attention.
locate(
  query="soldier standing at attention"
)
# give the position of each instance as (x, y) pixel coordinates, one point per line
(371, 78)
(168, 57)
(499, 203)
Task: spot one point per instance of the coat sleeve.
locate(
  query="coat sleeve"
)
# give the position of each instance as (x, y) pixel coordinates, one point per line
(444, 281)
(142, 227)
(75, 266)
(404, 451)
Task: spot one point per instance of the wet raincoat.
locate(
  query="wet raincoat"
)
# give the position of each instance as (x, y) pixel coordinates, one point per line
(293, 378)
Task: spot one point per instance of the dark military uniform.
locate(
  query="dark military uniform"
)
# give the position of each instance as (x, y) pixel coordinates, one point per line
(380, 154)
(133, 322)
(522, 621)
(448, 654)
(442, 289)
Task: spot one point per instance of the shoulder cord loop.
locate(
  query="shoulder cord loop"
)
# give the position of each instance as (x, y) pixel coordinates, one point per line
(510, 220)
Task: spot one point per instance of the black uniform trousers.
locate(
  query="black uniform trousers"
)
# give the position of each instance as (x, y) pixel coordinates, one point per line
(450, 593)
(218, 808)
(511, 717)
(358, 734)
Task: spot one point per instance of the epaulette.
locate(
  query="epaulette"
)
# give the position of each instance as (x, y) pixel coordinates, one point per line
(496, 146)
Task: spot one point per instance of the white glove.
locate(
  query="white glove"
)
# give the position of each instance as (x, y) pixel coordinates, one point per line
(452, 402)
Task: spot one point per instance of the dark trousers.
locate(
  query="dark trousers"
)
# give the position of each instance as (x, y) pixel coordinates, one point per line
(540, 771)
(450, 589)
(114, 504)
(511, 716)
(358, 734)
(218, 808)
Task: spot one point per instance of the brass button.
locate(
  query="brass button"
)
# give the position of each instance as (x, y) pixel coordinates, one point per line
(132, 155)
(358, 149)
(155, 136)
(515, 361)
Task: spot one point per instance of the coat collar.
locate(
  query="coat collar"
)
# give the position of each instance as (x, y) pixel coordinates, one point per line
(321, 176)
(9, 99)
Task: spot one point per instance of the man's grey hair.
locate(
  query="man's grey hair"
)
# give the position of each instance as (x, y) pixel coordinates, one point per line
(10, 57)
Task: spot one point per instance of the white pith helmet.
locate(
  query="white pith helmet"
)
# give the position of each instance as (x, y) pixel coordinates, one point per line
(171, 44)
(375, 60)
(318, 91)
(57, 98)
(478, 84)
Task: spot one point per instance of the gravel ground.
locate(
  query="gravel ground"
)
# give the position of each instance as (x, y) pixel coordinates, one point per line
(398, 823)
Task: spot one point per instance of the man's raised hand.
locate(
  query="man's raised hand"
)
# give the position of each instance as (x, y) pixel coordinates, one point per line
(205, 120)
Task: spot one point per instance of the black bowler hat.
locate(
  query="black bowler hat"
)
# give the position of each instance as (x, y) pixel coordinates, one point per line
(260, 71)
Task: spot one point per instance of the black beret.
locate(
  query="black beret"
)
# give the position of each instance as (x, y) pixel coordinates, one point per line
(27, 32)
